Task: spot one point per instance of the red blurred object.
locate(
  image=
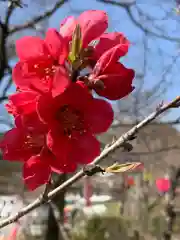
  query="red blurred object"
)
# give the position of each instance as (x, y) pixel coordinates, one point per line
(14, 232)
(67, 212)
(88, 191)
(130, 181)
(163, 184)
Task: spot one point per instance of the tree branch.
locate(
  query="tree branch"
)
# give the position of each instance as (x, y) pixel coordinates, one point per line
(3, 40)
(120, 4)
(173, 122)
(39, 18)
(138, 23)
(6, 88)
(105, 153)
(10, 10)
(3, 98)
(154, 152)
(3, 57)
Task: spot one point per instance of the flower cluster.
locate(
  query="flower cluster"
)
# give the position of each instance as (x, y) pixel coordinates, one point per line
(56, 115)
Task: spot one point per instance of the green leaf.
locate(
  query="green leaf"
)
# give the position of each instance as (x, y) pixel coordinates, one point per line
(117, 168)
(76, 44)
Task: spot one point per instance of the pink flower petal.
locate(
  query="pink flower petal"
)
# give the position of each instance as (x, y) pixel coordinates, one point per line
(60, 82)
(99, 116)
(93, 23)
(76, 95)
(71, 151)
(30, 47)
(110, 40)
(85, 149)
(24, 102)
(60, 147)
(18, 78)
(31, 122)
(109, 58)
(58, 144)
(58, 166)
(28, 81)
(67, 27)
(56, 45)
(12, 145)
(46, 108)
(117, 82)
(36, 172)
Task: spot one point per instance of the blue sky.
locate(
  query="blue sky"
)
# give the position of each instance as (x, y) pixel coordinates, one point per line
(119, 21)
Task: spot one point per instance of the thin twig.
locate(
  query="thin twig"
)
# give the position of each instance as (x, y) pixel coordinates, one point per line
(173, 122)
(3, 99)
(10, 10)
(6, 88)
(139, 24)
(3, 40)
(39, 18)
(105, 153)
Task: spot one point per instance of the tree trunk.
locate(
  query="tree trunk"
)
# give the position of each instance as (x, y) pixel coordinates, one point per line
(53, 228)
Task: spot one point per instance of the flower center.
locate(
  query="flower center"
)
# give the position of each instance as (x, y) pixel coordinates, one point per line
(71, 120)
(43, 68)
(35, 142)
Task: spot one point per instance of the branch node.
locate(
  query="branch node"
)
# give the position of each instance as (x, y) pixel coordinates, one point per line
(90, 170)
(127, 147)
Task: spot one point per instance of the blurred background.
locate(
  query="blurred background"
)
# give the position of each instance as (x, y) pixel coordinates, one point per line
(118, 206)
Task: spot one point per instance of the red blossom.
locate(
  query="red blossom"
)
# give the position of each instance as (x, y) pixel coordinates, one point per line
(114, 83)
(40, 62)
(62, 139)
(73, 118)
(22, 103)
(36, 171)
(56, 120)
(19, 143)
(38, 168)
(93, 23)
(27, 143)
(110, 78)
